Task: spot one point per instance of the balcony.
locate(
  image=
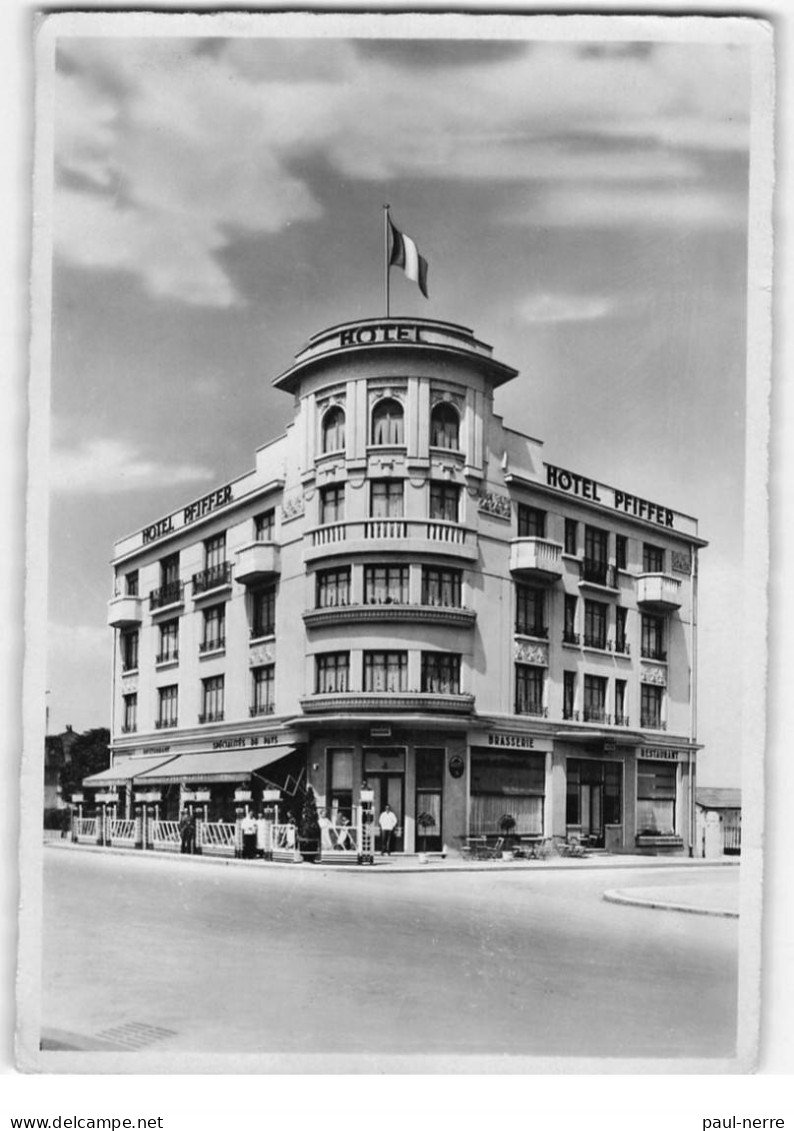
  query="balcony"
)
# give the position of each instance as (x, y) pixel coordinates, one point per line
(595, 715)
(533, 709)
(260, 561)
(404, 535)
(167, 596)
(216, 645)
(658, 592)
(536, 558)
(594, 572)
(124, 612)
(622, 721)
(388, 612)
(129, 728)
(261, 709)
(418, 702)
(211, 717)
(571, 638)
(164, 724)
(651, 722)
(216, 577)
(167, 658)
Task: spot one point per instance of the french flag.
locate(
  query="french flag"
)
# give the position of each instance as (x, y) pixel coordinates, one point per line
(405, 254)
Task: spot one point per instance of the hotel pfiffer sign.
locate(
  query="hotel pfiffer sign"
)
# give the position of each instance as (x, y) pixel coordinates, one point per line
(584, 488)
(193, 511)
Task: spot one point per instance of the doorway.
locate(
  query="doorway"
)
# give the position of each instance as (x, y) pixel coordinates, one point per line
(390, 789)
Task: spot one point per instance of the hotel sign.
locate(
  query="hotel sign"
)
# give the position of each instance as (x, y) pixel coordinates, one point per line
(191, 513)
(622, 501)
(370, 334)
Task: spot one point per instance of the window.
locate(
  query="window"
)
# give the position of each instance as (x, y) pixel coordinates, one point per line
(334, 430)
(571, 536)
(264, 679)
(217, 570)
(332, 504)
(340, 787)
(167, 706)
(333, 588)
(169, 570)
(385, 671)
(530, 682)
(265, 526)
(429, 794)
(621, 718)
(169, 642)
(530, 611)
(212, 700)
(655, 798)
(215, 551)
(263, 611)
(506, 782)
(130, 723)
(569, 633)
(651, 706)
(595, 624)
(652, 558)
(531, 522)
(333, 672)
(129, 650)
(593, 795)
(441, 587)
(568, 695)
(441, 673)
(386, 498)
(444, 427)
(444, 499)
(652, 638)
(131, 583)
(387, 422)
(386, 585)
(170, 590)
(596, 552)
(621, 640)
(621, 551)
(595, 699)
(214, 636)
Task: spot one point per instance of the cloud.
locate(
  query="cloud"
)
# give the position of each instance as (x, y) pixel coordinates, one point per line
(564, 308)
(106, 467)
(592, 206)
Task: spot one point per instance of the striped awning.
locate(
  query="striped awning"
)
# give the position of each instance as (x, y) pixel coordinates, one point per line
(214, 766)
(125, 769)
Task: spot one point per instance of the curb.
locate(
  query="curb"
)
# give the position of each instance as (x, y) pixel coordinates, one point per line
(615, 896)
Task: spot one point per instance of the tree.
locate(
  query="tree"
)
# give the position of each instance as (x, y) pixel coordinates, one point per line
(309, 825)
(89, 755)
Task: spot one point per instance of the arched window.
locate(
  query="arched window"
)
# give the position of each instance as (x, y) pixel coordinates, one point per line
(334, 429)
(387, 422)
(444, 426)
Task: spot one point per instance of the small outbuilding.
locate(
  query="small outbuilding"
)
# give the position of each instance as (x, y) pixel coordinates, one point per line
(719, 821)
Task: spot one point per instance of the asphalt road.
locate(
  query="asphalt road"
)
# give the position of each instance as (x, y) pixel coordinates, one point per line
(187, 957)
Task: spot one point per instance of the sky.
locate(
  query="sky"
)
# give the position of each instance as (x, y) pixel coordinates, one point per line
(583, 207)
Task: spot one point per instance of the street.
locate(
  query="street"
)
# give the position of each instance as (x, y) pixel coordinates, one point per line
(191, 957)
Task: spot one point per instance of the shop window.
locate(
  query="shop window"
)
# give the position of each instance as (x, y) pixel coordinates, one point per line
(621, 551)
(441, 673)
(595, 699)
(595, 624)
(263, 611)
(385, 671)
(332, 503)
(569, 633)
(621, 637)
(129, 650)
(444, 501)
(506, 784)
(651, 699)
(130, 723)
(264, 680)
(569, 695)
(652, 638)
(385, 585)
(429, 797)
(441, 587)
(333, 588)
(386, 498)
(530, 687)
(652, 558)
(265, 525)
(531, 522)
(656, 788)
(571, 536)
(169, 642)
(621, 717)
(214, 635)
(387, 422)
(340, 786)
(333, 672)
(444, 427)
(212, 696)
(167, 706)
(334, 430)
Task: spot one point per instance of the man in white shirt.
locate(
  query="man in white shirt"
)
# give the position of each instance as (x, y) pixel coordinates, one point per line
(388, 823)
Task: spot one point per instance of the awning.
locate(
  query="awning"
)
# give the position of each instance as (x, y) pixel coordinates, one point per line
(125, 769)
(215, 766)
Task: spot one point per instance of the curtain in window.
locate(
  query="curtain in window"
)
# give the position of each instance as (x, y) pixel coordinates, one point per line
(387, 422)
(486, 810)
(334, 430)
(444, 427)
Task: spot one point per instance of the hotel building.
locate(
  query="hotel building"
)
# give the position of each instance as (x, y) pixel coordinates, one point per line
(407, 592)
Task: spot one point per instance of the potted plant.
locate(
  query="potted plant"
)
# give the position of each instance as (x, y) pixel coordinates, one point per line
(507, 823)
(425, 821)
(309, 829)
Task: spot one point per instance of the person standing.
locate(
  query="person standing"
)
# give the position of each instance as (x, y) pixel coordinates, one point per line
(388, 823)
(184, 832)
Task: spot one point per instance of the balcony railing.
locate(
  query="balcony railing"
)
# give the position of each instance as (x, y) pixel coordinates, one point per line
(569, 637)
(170, 594)
(128, 667)
(570, 714)
(415, 535)
(257, 562)
(541, 631)
(212, 578)
(162, 724)
(211, 717)
(658, 591)
(380, 613)
(212, 645)
(595, 572)
(536, 556)
(129, 728)
(125, 611)
(600, 642)
(622, 648)
(622, 720)
(261, 709)
(531, 709)
(354, 701)
(653, 654)
(596, 715)
(652, 722)
(257, 631)
(167, 657)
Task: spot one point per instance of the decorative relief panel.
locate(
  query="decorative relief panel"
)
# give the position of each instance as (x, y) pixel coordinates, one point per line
(652, 674)
(330, 397)
(292, 508)
(262, 654)
(682, 561)
(379, 392)
(439, 395)
(528, 652)
(129, 684)
(495, 504)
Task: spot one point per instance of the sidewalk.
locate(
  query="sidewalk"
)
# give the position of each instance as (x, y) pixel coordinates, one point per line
(716, 898)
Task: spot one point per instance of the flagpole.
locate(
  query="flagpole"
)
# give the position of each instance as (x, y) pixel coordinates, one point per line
(386, 254)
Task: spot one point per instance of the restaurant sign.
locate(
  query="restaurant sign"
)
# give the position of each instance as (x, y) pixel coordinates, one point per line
(659, 753)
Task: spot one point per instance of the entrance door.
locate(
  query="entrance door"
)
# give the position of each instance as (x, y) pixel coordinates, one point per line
(390, 788)
(592, 798)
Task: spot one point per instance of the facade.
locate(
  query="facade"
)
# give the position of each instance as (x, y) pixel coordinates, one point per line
(405, 592)
(718, 821)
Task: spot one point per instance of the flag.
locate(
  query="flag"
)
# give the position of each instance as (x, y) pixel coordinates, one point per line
(405, 254)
